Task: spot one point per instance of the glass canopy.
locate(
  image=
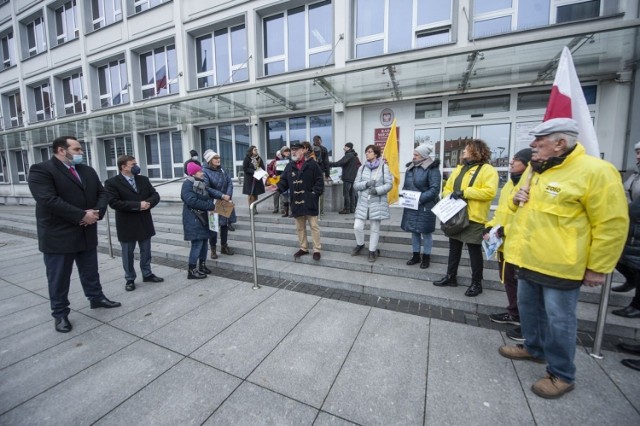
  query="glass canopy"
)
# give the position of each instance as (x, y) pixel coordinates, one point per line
(596, 56)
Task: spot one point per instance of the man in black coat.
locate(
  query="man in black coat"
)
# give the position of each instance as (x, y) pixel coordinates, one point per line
(132, 197)
(349, 164)
(303, 178)
(69, 202)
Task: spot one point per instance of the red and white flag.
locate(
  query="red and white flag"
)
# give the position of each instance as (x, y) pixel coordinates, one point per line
(567, 101)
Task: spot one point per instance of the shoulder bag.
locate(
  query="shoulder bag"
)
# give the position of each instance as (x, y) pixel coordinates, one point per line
(460, 220)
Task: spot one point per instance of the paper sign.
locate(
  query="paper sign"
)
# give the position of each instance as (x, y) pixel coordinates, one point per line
(259, 174)
(410, 199)
(491, 245)
(447, 207)
(214, 220)
(335, 174)
(281, 165)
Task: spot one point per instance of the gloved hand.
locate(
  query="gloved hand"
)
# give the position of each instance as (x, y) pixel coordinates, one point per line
(372, 191)
(370, 183)
(457, 195)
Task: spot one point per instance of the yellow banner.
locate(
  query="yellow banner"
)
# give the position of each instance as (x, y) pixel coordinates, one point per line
(391, 155)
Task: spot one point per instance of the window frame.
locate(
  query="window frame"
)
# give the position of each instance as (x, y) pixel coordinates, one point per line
(102, 20)
(39, 93)
(69, 85)
(176, 163)
(122, 145)
(233, 68)
(35, 28)
(418, 30)
(62, 15)
(8, 48)
(108, 96)
(14, 103)
(309, 51)
(4, 168)
(140, 6)
(21, 158)
(171, 85)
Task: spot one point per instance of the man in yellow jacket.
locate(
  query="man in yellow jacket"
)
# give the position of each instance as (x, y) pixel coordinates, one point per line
(569, 228)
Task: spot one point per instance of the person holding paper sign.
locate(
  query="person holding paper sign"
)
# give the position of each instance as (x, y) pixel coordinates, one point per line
(424, 177)
(251, 164)
(219, 187)
(476, 169)
(503, 216)
(373, 181)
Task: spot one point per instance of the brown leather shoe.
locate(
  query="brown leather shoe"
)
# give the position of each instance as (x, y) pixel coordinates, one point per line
(518, 352)
(551, 387)
(214, 255)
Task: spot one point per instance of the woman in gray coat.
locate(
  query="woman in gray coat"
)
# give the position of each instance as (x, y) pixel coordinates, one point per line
(373, 181)
(422, 176)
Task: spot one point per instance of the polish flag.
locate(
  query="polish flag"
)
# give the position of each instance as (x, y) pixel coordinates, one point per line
(567, 101)
(161, 79)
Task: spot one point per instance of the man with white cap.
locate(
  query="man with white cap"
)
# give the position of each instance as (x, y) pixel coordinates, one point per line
(568, 230)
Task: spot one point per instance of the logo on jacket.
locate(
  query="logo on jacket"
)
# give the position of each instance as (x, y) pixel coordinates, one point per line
(553, 189)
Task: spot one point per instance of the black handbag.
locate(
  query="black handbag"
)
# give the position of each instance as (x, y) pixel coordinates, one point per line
(460, 220)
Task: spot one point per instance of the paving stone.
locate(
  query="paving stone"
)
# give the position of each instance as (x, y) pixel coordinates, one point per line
(155, 315)
(253, 405)
(187, 394)
(10, 290)
(23, 320)
(306, 362)
(326, 419)
(187, 333)
(469, 382)
(19, 346)
(29, 377)
(20, 302)
(243, 345)
(383, 378)
(89, 395)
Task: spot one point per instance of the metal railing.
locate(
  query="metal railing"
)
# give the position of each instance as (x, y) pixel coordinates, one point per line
(106, 215)
(252, 208)
(596, 351)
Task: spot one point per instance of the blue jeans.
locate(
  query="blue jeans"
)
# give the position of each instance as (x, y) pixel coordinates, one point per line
(127, 258)
(198, 251)
(549, 326)
(424, 240)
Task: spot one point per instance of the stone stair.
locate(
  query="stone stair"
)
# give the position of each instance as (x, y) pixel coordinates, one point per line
(388, 277)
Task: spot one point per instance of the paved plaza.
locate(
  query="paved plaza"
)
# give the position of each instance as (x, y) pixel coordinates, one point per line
(215, 351)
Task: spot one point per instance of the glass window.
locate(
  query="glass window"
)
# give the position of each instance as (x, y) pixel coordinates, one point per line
(105, 12)
(284, 132)
(428, 110)
(428, 136)
(479, 106)
(73, 93)
(491, 27)
(42, 99)
(22, 164)
(298, 38)
(578, 11)
(540, 99)
(114, 148)
(497, 137)
(221, 140)
(159, 72)
(8, 50)
(484, 6)
(36, 42)
(4, 169)
(113, 84)
(164, 155)
(533, 14)
(405, 25)
(276, 136)
(66, 26)
(15, 110)
(142, 5)
(455, 139)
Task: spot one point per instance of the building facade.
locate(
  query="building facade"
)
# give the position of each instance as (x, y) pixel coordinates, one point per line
(157, 78)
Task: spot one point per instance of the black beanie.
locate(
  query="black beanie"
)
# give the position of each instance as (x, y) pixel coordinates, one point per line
(523, 155)
(193, 153)
(349, 145)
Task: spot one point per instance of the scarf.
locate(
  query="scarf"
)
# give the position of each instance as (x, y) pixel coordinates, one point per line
(425, 162)
(541, 166)
(373, 164)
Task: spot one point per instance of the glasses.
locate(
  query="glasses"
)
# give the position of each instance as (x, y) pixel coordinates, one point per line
(217, 157)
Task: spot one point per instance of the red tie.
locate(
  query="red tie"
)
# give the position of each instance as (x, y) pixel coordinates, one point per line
(75, 173)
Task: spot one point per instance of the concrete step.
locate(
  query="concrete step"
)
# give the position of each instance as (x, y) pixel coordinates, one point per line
(388, 277)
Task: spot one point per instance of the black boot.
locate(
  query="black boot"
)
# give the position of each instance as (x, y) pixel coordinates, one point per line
(626, 286)
(474, 289)
(372, 256)
(214, 255)
(194, 274)
(426, 261)
(202, 267)
(226, 250)
(415, 259)
(447, 280)
(286, 210)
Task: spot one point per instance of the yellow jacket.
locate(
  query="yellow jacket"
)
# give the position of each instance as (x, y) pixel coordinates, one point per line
(576, 219)
(503, 214)
(479, 196)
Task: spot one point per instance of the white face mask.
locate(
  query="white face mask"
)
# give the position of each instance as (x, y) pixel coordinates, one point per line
(195, 157)
(75, 158)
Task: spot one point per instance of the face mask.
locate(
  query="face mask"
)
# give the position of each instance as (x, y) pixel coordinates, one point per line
(75, 158)
(135, 170)
(195, 157)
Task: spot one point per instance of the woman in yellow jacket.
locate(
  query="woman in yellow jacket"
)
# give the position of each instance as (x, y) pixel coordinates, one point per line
(475, 159)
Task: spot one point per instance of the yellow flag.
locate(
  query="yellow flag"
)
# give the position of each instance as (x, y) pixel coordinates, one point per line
(393, 161)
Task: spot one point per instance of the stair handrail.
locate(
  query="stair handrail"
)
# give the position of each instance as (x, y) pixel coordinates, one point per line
(252, 208)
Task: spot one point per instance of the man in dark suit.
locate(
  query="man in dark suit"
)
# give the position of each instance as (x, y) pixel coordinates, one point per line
(132, 197)
(70, 200)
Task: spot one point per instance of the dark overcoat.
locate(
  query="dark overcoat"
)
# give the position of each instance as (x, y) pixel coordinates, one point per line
(349, 164)
(252, 186)
(305, 187)
(631, 253)
(132, 224)
(195, 204)
(61, 201)
(425, 180)
(219, 183)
